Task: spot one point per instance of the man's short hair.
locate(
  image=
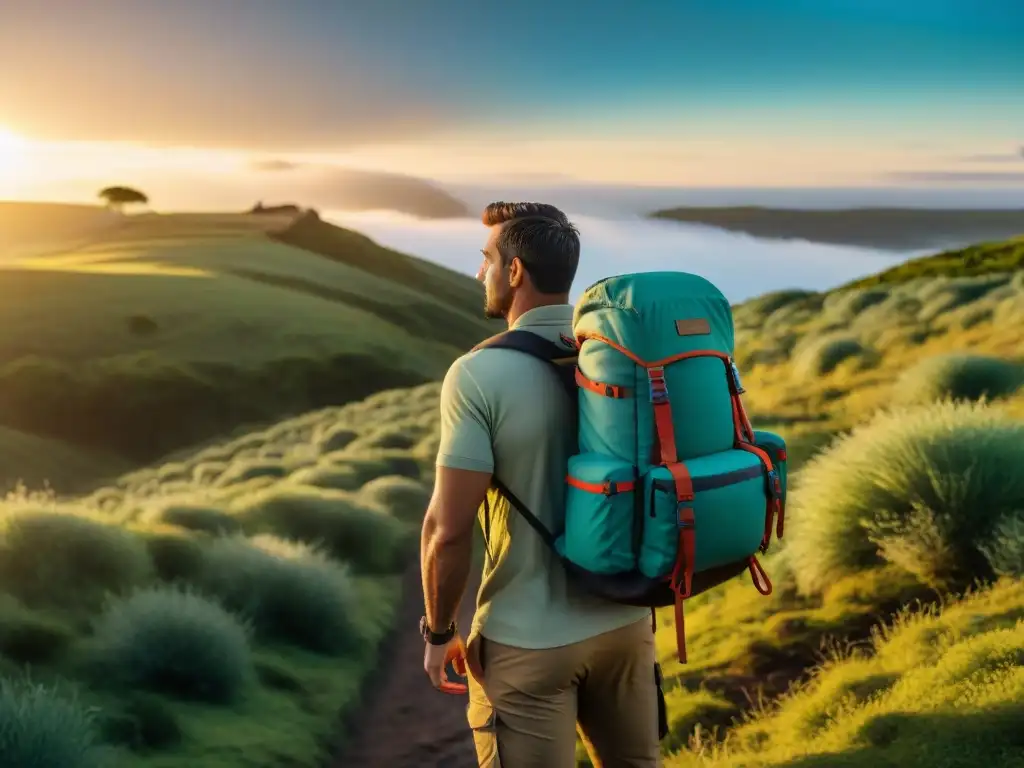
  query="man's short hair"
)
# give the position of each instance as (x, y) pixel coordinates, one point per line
(542, 237)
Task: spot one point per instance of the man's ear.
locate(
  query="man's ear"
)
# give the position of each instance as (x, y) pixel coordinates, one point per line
(516, 273)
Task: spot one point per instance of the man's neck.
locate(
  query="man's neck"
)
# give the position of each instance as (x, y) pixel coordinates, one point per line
(518, 310)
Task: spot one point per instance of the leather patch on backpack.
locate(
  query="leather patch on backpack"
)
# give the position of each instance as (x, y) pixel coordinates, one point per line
(698, 326)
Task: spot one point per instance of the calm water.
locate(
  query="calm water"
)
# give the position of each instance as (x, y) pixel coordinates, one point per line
(740, 265)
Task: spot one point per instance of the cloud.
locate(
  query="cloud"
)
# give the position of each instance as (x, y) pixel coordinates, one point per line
(958, 177)
(275, 165)
(334, 187)
(271, 76)
(995, 157)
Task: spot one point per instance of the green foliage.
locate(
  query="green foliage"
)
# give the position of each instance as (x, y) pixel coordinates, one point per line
(198, 518)
(48, 557)
(118, 196)
(288, 591)
(404, 498)
(926, 489)
(171, 640)
(340, 477)
(931, 687)
(372, 542)
(144, 407)
(31, 637)
(821, 356)
(370, 463)
(959, 377)
(981, 259)
(177, 557)
(39, 728)
(336, 438)
(141, 722)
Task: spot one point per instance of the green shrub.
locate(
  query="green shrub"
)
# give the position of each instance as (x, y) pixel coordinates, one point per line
(972, 315)
(403, 497)
(370, 541)
(176, 556)
(1005, 549)
(759, 308)
(246, 469)
(340, 477)
(924, 489)
(820, 357)
(67, 559)
(395, 436)
(141, 722)
(958, 377)
(31, 637)
(41, 729)
(335, 438)
(371, 463)
(198, 518)
(846, 305)
(288, 591)
(170, 640)
(206, 472)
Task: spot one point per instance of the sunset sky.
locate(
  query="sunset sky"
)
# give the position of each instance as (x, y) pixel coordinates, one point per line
(682, 93)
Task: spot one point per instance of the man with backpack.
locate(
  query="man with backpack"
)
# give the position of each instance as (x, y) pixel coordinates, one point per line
(545, 655)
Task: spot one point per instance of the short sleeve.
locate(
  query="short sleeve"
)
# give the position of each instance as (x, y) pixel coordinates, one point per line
(465, 422)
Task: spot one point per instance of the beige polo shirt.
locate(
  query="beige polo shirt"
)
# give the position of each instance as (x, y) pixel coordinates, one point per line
(501, 408)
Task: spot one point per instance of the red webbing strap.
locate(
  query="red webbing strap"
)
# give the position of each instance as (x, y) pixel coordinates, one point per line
(662, 417)
(741, 415)
(599, 387)
(759, 577)
(773, 504)
(680, 630)
(683, 570)
(608, 488)
(681, 579)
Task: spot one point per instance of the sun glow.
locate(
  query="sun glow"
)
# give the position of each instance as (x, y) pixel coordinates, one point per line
(14, 162)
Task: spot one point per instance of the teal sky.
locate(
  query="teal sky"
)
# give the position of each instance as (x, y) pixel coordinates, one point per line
(936, 82)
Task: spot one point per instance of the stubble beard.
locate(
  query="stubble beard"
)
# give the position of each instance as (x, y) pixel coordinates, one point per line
(496, 307)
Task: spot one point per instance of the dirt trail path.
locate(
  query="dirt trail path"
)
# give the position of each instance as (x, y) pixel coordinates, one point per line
(403, 721)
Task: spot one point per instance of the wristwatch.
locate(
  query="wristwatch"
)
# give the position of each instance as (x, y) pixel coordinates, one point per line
(436, 638)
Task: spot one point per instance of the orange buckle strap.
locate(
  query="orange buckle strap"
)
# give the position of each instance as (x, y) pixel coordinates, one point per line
(599, 387)
(666, 446)
(681, 580)
(607, 488)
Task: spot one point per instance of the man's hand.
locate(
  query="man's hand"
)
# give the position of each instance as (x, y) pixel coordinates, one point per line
(435, 663)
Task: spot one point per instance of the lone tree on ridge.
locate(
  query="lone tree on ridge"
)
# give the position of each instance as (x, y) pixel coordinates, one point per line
(117, 198)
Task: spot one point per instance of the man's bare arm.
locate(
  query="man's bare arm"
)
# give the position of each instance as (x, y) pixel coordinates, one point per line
(446, 546)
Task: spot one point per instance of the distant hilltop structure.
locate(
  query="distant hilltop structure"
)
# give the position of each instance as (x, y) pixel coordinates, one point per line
(289, 208)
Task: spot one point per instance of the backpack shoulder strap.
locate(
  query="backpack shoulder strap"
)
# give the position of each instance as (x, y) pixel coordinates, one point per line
(563, 357)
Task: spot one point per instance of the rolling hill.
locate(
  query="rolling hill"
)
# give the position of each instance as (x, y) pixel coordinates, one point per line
(222, 605)
(888, 228)
(139, 335)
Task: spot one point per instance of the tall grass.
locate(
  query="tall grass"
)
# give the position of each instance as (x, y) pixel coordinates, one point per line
(928, 489)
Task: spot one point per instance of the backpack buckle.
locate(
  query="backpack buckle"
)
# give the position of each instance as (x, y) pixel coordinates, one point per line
(735, 373)
(774, 486)
(659, 391)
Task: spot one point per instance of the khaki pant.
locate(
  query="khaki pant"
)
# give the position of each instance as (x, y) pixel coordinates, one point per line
(525, 710)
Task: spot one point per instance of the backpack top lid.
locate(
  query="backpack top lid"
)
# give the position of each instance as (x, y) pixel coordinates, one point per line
(650, 309)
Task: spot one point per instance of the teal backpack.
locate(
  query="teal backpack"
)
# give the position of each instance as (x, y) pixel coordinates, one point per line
(672, 491)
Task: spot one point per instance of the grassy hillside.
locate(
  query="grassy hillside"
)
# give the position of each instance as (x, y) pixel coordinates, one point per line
(902, 398)
(223, 606)
(161, 331)
(891, 228)
(222, 609)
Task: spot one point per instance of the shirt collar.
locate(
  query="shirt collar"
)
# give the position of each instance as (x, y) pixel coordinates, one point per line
(548, 315)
